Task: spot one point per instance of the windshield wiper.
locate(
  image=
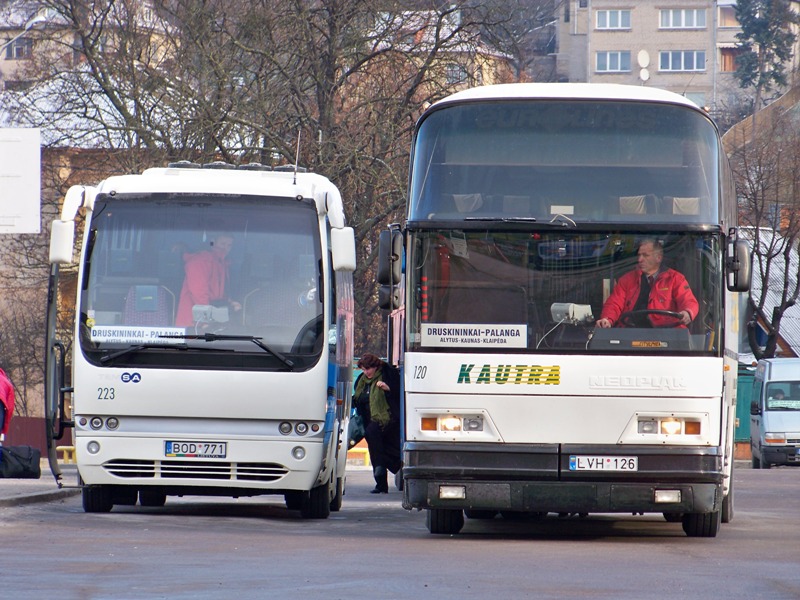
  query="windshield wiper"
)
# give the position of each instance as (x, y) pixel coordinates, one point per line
(214, 337)
(133, 349)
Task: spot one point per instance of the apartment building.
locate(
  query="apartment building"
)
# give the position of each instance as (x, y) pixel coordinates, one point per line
(685, 46)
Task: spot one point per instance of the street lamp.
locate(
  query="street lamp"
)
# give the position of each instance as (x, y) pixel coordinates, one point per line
(41, 16)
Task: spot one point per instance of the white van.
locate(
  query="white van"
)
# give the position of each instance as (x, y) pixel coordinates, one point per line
(775, 413)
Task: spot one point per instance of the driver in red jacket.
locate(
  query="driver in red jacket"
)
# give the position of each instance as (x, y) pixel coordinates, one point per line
(650, 287)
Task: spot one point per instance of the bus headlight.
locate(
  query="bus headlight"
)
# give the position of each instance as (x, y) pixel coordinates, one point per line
(452, 423)
(668, 426)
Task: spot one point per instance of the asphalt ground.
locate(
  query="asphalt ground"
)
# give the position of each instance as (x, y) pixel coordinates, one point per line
(14, 492)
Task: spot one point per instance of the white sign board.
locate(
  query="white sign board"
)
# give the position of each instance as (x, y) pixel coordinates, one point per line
(486, 336)
(20, 180)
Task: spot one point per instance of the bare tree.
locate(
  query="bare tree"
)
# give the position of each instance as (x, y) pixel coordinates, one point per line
(767, 169)
(239, 80)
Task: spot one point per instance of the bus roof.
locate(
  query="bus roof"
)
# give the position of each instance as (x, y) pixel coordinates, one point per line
(282, 184)
(567, 91)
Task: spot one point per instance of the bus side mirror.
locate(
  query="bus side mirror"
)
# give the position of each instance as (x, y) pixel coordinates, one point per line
(390, 268)
(738, 265)
(62, 241)
(343, 249)
(754, 408)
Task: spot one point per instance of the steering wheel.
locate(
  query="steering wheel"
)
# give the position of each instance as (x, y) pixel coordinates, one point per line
(628, 319)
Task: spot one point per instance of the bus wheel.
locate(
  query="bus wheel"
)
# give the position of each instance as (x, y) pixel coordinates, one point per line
(443, 520)
(293, 499)
(154, 498)
(756, 464)
(475, 513)
(701, 524)
(316, 504)
(97, 499)
(122, 495)
(727, 504)
(336, 503)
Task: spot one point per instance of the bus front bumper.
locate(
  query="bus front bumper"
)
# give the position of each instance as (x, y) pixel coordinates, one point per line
(538, 478)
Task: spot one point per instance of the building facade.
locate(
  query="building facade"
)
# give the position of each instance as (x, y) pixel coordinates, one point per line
(685, 46)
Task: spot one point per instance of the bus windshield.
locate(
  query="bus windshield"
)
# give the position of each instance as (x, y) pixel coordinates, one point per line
(202, 281)
(511, 291)
(587, 161)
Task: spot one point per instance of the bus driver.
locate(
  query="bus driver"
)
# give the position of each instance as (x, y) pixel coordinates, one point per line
(650, 287)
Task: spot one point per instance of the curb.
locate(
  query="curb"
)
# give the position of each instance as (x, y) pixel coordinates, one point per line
(38, 497)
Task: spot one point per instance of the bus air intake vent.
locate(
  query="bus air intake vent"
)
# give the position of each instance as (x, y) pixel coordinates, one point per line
(184, 469)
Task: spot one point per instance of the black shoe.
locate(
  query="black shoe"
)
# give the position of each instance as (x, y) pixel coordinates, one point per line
(378, 490)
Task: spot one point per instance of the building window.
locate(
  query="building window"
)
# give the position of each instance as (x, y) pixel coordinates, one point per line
(698, 98)
(613, 19)
(682, 60)
(727, 59)
(727, 16)
(613, 62)
(19, 49)
(455, 73)
(683, 18)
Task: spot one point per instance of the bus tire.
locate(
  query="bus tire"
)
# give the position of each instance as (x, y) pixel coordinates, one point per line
(153, 498)
(123, 495)
(97, 499)
(755, 464)
(293, 499)
(727, 504)
(444, 521)
(702, 524)
(477, 513)
(316, 504)
(336, 503)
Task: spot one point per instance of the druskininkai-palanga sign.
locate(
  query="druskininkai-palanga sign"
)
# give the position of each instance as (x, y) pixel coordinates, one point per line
(124, 334)
(474, 335)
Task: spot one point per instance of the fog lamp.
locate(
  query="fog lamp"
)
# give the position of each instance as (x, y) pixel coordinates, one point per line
(667, 496)
(93, 447)
(298, 452)
(452, 492)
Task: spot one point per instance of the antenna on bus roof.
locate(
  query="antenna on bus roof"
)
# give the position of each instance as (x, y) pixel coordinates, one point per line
(296, 157)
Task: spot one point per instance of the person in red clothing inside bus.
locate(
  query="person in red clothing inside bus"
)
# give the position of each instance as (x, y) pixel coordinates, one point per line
(206, 280)
(650, 287)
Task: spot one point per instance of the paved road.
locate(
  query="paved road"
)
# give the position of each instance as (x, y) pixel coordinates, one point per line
(255, 548)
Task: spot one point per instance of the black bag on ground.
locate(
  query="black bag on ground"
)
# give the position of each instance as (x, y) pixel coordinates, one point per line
(20, 462)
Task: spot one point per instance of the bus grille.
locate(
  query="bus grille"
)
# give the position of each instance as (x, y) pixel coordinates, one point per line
(184, 469)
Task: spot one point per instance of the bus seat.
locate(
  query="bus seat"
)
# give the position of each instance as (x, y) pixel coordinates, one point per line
(151, 305)
(632, 205)
(682, 206)
(467, 203)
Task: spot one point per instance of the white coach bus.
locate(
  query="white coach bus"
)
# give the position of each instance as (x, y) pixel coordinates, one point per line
(213, 330)
(527, 203)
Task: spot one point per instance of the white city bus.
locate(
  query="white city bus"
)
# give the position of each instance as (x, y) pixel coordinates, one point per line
(527, 202)
(251, 395)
